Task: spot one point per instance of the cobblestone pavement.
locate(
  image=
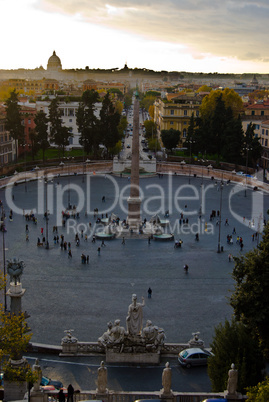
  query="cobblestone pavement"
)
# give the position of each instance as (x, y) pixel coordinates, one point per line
(62, 293)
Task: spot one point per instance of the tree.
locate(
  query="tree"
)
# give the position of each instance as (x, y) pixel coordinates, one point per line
(252, 145)
(59, 133)
(259, 392)
(109, 121)
(13, 119)
(147, 101)
(250, 300)
(232, 344)
(87, 122)
(229, 97)
(170, 138)
(151, 111)
(204, 88)
(150, 129)
(41, 130)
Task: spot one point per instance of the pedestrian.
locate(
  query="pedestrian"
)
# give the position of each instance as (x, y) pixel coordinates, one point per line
(230, 257)
(186, 268)
(85, 237)
(99, 250)
(87, 259)
(149, 293)
(70, 254)
(241, 246)
(149, 240)
(61, 396)
(103, 243)
(70, 393)
(123, 241)
(27, 237)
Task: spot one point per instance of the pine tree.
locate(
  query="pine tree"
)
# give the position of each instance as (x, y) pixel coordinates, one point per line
(13, 120)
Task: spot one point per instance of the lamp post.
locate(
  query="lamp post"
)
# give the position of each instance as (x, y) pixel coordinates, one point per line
(221, 188)
(190, 141)
(4, 255)
(247, 148)
(46, 212)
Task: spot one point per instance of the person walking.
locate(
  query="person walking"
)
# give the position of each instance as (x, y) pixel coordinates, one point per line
(123, 241)
(149, 293)
(186, 268)
(99, 250)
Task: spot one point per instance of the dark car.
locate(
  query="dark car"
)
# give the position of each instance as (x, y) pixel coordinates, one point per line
(193, 357)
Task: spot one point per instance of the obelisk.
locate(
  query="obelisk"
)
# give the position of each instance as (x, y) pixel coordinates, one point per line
(134, 200)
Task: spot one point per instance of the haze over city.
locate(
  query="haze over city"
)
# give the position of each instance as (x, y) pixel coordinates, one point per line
(226, 36)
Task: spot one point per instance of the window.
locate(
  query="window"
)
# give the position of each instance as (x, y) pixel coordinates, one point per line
(70, 112)
(70, 140)
(263, 131)
(184, 133)
(253, 113)
(262, 113)
(29, 121)
(172, 112)
(266, 132)
(266, 142)
(171, 123)
(185, 112)
(70, 120)
(197, 113)
(257, 126)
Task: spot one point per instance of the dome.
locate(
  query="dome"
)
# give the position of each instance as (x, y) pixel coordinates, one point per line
(54, 62)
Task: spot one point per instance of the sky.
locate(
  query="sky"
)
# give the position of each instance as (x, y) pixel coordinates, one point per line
(224, 36)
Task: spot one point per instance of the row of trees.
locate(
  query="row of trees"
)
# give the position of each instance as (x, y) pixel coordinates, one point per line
(218, 130)
(244, 341)
(106, 130)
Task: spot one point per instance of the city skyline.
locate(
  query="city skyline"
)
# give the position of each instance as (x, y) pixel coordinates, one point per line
(177, 35)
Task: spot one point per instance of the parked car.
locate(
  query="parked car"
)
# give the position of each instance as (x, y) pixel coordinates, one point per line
(45, 381)
(193, 357)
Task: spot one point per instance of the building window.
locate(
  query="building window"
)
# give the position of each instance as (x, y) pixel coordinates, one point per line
(262, 113)
(70, 120)
(266, 132)
(172, 112)
(70, 112)
(263, 131)
(266, 142)
(184, 133)
(262, 141)
(253, 113)
(197, 113)
(171, 123)
(185, 112)
(70, 140)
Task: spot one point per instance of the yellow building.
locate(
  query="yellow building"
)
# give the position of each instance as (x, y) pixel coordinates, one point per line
(175, 112)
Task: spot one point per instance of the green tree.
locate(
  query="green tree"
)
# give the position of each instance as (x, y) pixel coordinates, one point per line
(228, 96)
(170, 138)
(252, 147)
(59, 133)
(34, 143)
(13, 119)
(41, 131)
(259, 392)
(122, 126)
(232, 344)
(109, 121)
(147, 101)
(87, 122)
(250, 299)
(150, 129)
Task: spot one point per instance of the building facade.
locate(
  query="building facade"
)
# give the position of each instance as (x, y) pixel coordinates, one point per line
(175, 112)
(7, 144)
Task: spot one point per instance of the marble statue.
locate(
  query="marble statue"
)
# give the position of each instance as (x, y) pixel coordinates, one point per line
(152, 334)
(134, 320)
(106, 338)
(117, 333)
(37, 370)
(15, 270)
(69, 338)
(232, 380)
(167, 379)
(195, 341)
(102, 379)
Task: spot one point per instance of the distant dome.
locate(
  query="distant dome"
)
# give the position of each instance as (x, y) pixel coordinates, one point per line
(54, 63)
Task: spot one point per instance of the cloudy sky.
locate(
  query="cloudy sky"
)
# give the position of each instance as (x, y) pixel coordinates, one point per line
(172, 35)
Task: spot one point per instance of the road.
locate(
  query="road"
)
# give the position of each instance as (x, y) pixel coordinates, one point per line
(81, 372)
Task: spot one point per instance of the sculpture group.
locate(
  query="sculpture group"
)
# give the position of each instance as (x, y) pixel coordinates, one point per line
(134, 339)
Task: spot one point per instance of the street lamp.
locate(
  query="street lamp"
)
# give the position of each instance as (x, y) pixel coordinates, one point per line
(221, 188)
(247, 148)
(190, 141)
(4, 255)
(46, 213)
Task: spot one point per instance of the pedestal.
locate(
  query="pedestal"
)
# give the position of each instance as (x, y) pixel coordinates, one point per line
(15, 292)
(138, 358)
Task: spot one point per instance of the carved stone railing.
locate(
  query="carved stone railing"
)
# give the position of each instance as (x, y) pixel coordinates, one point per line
(91, 348)
(122, 396)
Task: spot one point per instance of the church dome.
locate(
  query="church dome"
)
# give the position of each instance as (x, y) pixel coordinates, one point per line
(54, 62)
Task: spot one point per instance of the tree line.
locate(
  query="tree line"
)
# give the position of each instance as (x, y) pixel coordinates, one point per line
(107, 130)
